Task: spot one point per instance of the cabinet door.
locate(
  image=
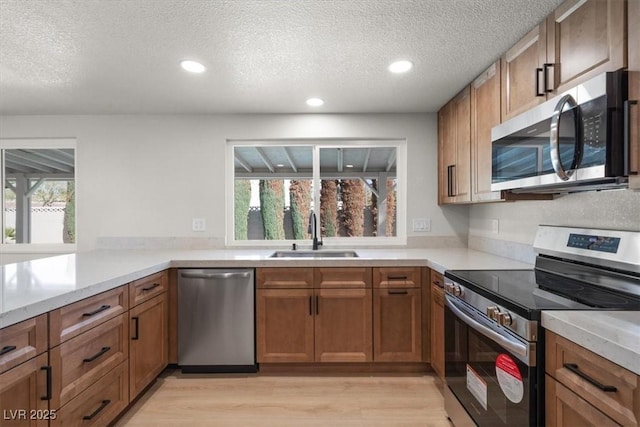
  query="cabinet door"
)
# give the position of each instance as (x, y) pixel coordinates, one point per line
(446, 153)
(284, 330)
(485, 114)
(522, 73)
(634, 93)
(21, 392)
(437, 330)
(343, 330)
(397, 325)
(148, 353)
(564, 408)
(462, 167)
(584, 39)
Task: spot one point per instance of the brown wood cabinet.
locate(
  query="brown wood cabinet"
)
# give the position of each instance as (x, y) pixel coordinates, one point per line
(634, 92)
(576, 42)
(485, 114)
(397, 325)
(148, 287)
(22, 390)
(310, 325)
(22, 341)
(149, 342)
(437, 323)
(454, 150)
(583, 388)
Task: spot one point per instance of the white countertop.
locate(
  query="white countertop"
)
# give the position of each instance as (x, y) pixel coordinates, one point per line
(34, 287)
(612, 335)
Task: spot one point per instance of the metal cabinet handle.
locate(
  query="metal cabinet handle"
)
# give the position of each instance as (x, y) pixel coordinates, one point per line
(397, 277)
(213, 276)
(310, 306)
(627, 134)
(155, 285)
(398, 292)
(574, 368)
(7, 349)
(537, 88)
(97, 411)
(317, 305)
(136, 330)
(98, 310)
(554, 138)
(102, 351)
(49, 384)
(546, 76)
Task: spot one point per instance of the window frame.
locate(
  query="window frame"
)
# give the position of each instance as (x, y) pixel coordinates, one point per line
(38, 143)
(400, 144)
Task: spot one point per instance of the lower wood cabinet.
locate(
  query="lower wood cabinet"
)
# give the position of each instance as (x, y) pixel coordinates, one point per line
(149, 342)
(99, 404)
(397, 325)
(22, 390)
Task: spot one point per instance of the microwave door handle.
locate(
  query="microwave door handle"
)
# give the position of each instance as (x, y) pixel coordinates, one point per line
(513, 346)
(554, 138)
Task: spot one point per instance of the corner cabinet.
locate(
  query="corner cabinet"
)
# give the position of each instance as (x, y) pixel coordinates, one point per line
(454, 150)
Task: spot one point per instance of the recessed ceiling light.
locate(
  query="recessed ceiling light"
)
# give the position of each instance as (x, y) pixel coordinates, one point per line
(280, 165)
(315, 102)
(349, 166)
(192, 66)
(400, 66)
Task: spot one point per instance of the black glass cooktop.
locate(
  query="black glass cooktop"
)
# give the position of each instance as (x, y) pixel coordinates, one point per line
(532, 290)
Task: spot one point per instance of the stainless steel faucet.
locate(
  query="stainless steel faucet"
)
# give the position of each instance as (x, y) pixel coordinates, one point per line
(313, 229)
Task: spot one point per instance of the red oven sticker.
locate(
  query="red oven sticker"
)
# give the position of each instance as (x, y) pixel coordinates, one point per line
(509, 378)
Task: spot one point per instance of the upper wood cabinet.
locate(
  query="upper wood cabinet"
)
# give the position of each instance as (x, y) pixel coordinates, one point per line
(454, 150)
(485, 114)
(578, 41)
(634, 92)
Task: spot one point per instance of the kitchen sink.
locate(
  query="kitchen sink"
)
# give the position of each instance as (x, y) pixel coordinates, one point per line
(314, 254)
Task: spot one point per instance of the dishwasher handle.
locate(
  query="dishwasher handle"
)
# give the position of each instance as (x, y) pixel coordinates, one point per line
(216, 276)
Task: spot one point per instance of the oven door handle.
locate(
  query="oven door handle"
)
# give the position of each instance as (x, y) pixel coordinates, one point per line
(512, 345)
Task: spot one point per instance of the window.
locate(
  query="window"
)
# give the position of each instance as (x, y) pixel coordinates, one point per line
(39, 196)
(355, 188)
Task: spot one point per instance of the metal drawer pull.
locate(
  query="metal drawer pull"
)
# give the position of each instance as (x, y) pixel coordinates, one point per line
(317, 305)
(574, 368)
(97, 411)
(49, 385)
(98, 354)
(310, 309)
(398, 292)
(397, 277)
(98, 310)
(7, 349)
(155, 285)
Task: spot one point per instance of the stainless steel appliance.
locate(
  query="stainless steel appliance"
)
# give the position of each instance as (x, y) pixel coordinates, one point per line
(575, 141)
(216, 320)
(494, 343)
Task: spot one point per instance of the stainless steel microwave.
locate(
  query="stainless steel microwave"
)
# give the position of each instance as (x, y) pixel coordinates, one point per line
(573, 142)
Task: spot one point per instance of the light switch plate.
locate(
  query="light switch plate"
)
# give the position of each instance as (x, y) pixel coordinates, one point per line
(495, 226)
(198, 224)
(422, 224)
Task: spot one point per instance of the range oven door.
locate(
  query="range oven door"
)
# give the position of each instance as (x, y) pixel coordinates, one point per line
(489, 372)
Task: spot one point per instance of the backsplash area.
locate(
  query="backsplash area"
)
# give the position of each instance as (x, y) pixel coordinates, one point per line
(518, 221)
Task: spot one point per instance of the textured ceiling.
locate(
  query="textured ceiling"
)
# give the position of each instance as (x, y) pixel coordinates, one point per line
(262, 56)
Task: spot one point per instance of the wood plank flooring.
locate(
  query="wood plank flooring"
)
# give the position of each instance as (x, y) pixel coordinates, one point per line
(307, 401)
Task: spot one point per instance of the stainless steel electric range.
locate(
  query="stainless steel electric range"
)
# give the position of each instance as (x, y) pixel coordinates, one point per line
(494, 343)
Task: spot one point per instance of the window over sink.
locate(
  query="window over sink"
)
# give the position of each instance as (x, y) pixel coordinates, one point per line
(39, 194)
(356, 188)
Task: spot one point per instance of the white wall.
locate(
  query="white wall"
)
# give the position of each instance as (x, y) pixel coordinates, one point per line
(148, 176)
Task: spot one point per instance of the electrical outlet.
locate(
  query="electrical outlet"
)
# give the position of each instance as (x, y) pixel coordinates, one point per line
(495, 226)
(422, 224)
(198, 224)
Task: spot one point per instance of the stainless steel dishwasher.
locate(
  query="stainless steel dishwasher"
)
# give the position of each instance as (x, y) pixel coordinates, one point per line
(216, 320)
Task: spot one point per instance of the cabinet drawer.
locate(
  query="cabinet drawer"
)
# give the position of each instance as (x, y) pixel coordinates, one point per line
(396, 277)
(343, 277)
(99, 404)
(81, 361)
(437, 279)
(74, 319)
(148, 287)
(22, 341)
(284, 278)
(578, 368)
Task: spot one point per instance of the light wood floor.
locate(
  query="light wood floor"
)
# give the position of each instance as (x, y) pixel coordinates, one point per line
(301, 401)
